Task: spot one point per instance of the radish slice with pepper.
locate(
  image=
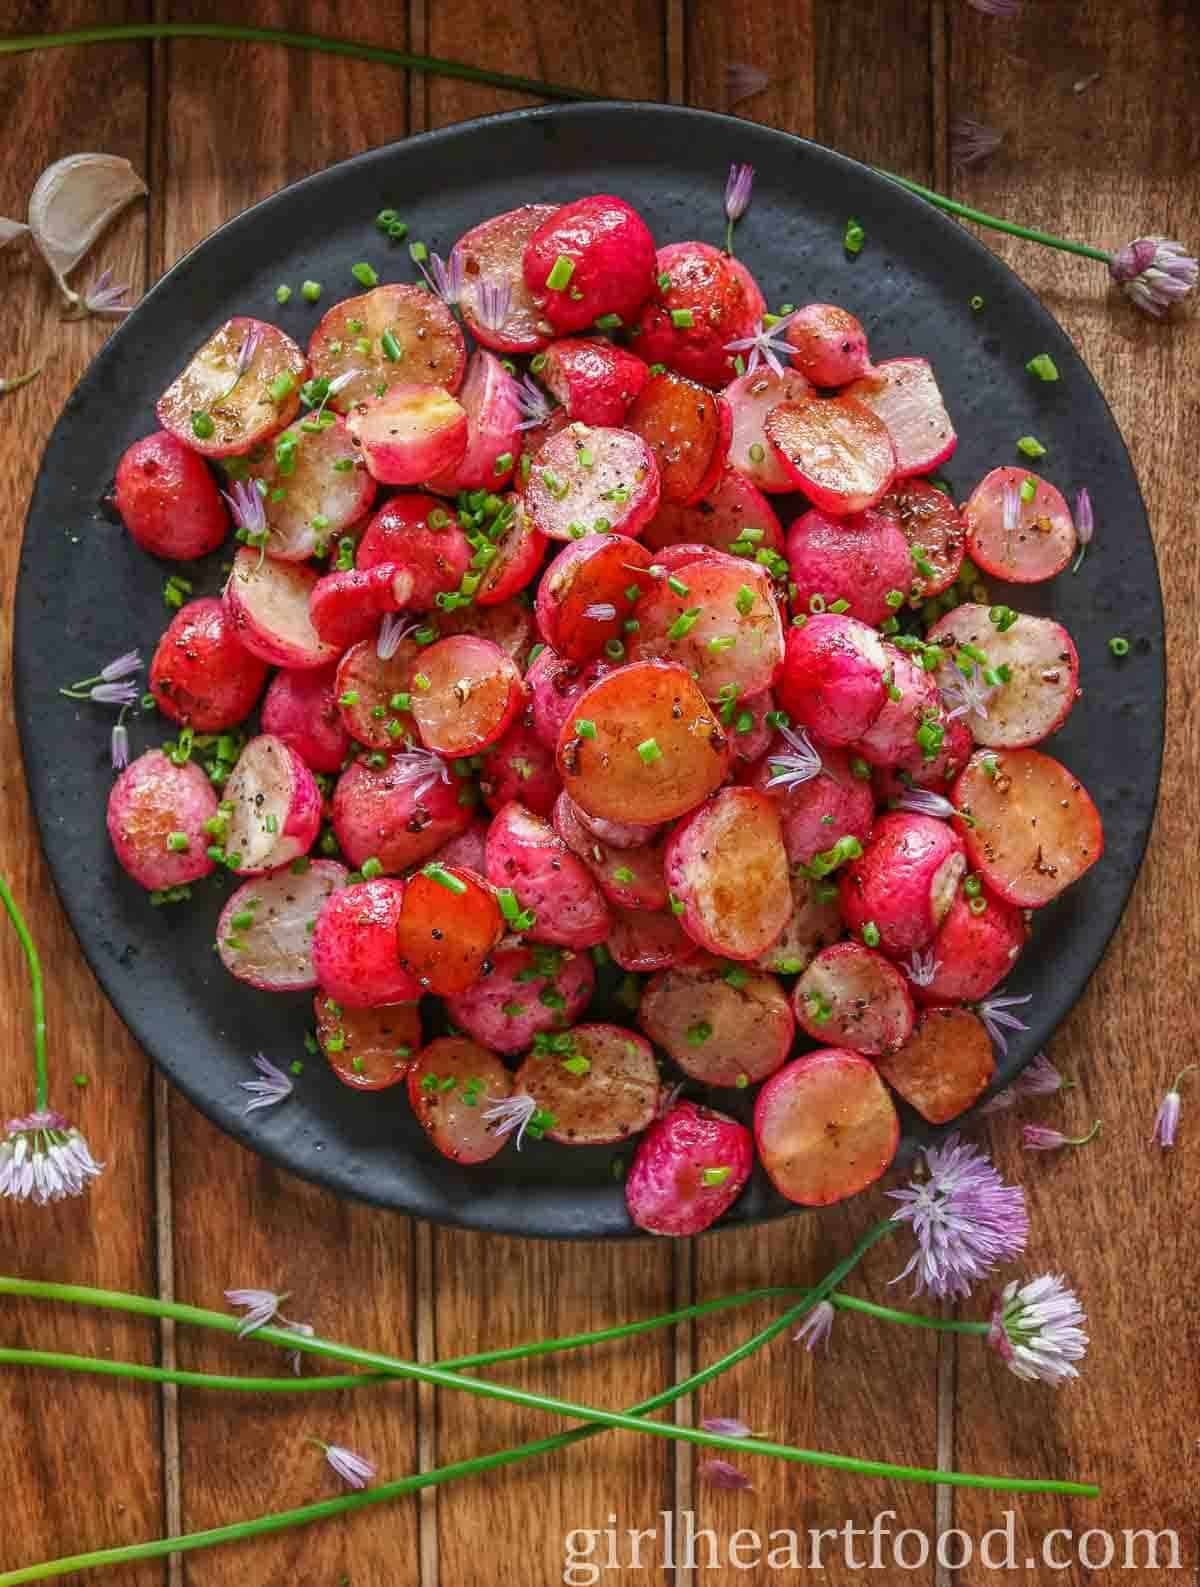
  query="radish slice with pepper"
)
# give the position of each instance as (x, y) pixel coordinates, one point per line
(720, 620)
(276, 807)
(589, 479)
(825, 1127)
(897, 891)
(400, 812)
(1034, 664)
(649, 939)
(489, 395)
(490, 256)
(687, 428)
(905, 395)
(602, 1088)
(628, 878)
(829, 344)
(1019, 527)
(268, 604)
(368, 1049)
(240, 388)
(316, 488)
(372, 693)
(725, 1025)
(594, 380)
(945, 1066)
(464, 694)
(726, 864)
(394, 335)
(935, 532)
(587, 593)
(264, 935)
(750, 398)
(452, 1085)
(527, 991)
(345, 608)
(689, 1169)
(851, 995)
(157, 821)
(509, 562)
(449, 922)
(815, 923)
(411, 433)
(837, 451)
(862, 559)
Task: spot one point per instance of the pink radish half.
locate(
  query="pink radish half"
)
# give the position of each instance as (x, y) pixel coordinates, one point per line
(326, 492)
(276, 807)
(825, 1127)
(905, 395)
(268, 603)
(411, 433)
(491, 255)
(230, 382)
(395, 335)
(851, 995)
(1044, 674)
(750, 398)
(727, 865)
(830, 344)
(690, 1167)
(1019, 527)
(489, 395)
(588, 479)
(265, 932)
(833, 677)
(904, 881)
(837, 451)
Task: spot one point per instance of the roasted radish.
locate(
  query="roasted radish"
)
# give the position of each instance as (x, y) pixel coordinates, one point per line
(268, 604)
(594, 380)
(933, 527)
(368, 1049)
(825, 1127)
(829, 344)
(1035, 665)
(372, 694)
(976, 946)
(646, 940)
(726, 864)
(489, 396)
(837, 451)
(313, 487)
(346, 607)
(399, 812)
(202, 675)
(945, 1065)
(736, 517)
(276, 807)
(720, 620)
(629, 878)
(415, 532)
(852, 995)
(551, 896)
(899, 889)
(688, 429)
(591, 480)
(598, 1085)
(862, 559)
(905, 395)
(158, 820)
(301, 708)
(464, 695)
(168, 500)
(520, 766)
(497, 307)
(354, 946)
(725, 1025)
(587, 593)
(449, 922)
(750, 398)
(265, 932)
(452, 1085)
(690, 1167)
(394, 335)
(703, 301)
(815, 923)
(589, 259)
(557, 685)
(411, 433)
(1019, 527)
(241, 388)
(820, 794)
(833, 678)
(523, 992)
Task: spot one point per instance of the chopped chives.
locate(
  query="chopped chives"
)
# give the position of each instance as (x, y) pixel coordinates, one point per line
(649, 751)
(585, 727)
(684, 623)
(364, 274)
(1030, 446)
(682, 319)
(1043, 366)
(390, 347)
(310, 291)
(439, 874)
(561, 272)
(282, 293)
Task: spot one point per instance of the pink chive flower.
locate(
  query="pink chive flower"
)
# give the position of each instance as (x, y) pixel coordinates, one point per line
(111, 685)
(1154, 273)
(924, 802)
(1037, 1138)
(996, 1014)
(728, 1425)
(533, 402)
(966, 1220)
(444, 277)
(972, 141)
(766, 346)
(1085, 526)
(1038, 1079)
(816, 1327)
(261, 1306)
(1037, 1329)
(921, 968)
(356, 1471)
(743, 82)
(800, 763)
(420, 767)
(739, 185)
(274, 1086)
(963, 695)
(44, 1158)
(492, 304)
(1166, 1122)
(104, 297)
(720, 1474)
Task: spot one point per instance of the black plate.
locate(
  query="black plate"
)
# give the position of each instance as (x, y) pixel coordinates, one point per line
(87, 593)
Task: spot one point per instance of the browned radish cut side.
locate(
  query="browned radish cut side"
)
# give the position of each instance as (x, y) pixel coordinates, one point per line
(851, 995)
(945, 1066)
(394, 335)
(241, 388)
(604, 1087)
(825, 1127)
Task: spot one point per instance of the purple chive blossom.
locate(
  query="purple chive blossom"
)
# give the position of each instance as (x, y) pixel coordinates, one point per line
(922, 802)
(395, 627)
(1166, 1122)
(1039, 1078)
(1036, 1138)
(965, 1218)
(816, 1327)
(443, 277)
(1153, 273)
(1037, 1329)
(802, 764)
(354, 1470)
(1085, 525)
(739, 185)
(1011, 502)
(720, 1474)
(44, 1158)
(261, 1306)
(513, 1113)
(249, 349)
(1006, 10)
(767, 346)
(110, 686)
(743, 82)
(122, 667)
(421, 767)
(114, 693)
(727, 1425)
(274, 1087)
(493, 302)
(119, 746)
(921, 967)
(963, 695)
(972, 141)
(104, 298)
(533, 402)
(601, 612)
(245, 503)
(996, 1013)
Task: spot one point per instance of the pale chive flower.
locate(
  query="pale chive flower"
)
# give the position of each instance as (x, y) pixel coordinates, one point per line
(356, 1471)
(395, 627)
(966, 1220)
(533, 402)
(512, 1113)
(600, 612)
(1085, 525)
(720, 1474)
(728, 1425)
(261, 1306)
(111, 685)
(420, 767)
(743, 82)
(816, 1327)
(44, 1158)
(1037, 1329)
(1154, 273)
(493, 303)
(1166, 1122)
(767, 345)
(739, 185)
(444, 277)
(924, 802)
(245, 502)
(962, 695)
(996, 1013)
(1037, 1138)
(972, 141)
(1006, 10)
(921, 967)
(104, 298)
(273, 1088)
(119, 746)
(1039, 1078)
(800, 763)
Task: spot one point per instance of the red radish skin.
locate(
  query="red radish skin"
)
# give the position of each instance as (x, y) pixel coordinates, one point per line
(202, 676)
(168, 500)
(467, 848)
(489, 396)
(366, 685)
(268, 605)
(435, 553)
(945, 1066)
(628, 878)
(832, 681)
(611, 256)
(274, 951)
(735, 508)
(1041, 540)
(594, 380)
(815, 923)
(491, 255)
(658, 749)
(368, 1049)
(972, 953)
(504, 1009)
(719, 1031)
(671, 558)
(525, 854)
(836, 450)
(1035, 829)
(904, 882)
(518, 560)
(722, 302)
(614, 1098)
(825, 1127)
(727, 865)
(861, 559)
(400, 814)
(152, 799)
(1044, 667)
(465, 693)
(314, 489)
(912, 701)
(556, 686)
(465, 1080)
(905, 395)
(644, 940)
(448, 925)
(354, 946)
(750, 398)
(519, 766)
(301, 708)
(345, 608)
(814, 814)
(508, 624)
(567, 495)
(853, 996)
(618, 834)
(410, 434)
(829, 346)
(349, 342)
(689, 1169)
(933, 527)
(688, 429)
(240, 405)
(916, 771)
(722, 600)
(276, 807)
(582, 603)
(750, 743)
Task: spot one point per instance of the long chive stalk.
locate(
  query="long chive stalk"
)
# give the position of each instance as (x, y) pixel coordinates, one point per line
(37, 991)
(965, 212)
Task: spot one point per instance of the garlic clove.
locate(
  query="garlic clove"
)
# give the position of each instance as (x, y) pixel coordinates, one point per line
(73, 202)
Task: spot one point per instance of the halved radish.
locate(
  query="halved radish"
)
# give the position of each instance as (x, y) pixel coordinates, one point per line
(592, 480)
(619, 834)
(354, 946)
(830, 345)
(301, 708)
(394, 335)
(851, 995)
(449, 922)
(705, 300)
(974, 950)
(818, 809)
(688, 429)
(520, 766)
(604, 1089)
(268, 605)
(464, 694)
(628, 878)
(400, 813)
(325, 491)
(919, 770)
(526, 857)
(815, 923)
(945, 1066)
(735, 514)
(368, 1049)
(861, 559)
(276, 811)
(369, 693)
(1019, 527)
(489, 395)
(753, 725)
(264, 935)
(594, 380)
(825, 1127)
(832, 681)
(222, 404)
(1042, 680)
(912, 701)
(723, 1025)
(750, 398)
(152, 802)
(727, 865)
(649, 939)
(720, 620)
(510, 561)
(168, 499)
(655, 749)
(587, 593)
(468, 847)
(1031, 827)
(523, 992)
(904, 881)
(411, 433)
(344, 608)
(415, 531)
(837, 451)
(556, 685)
(592, 257)
(202, 675)
(491, 255)
(905, 395)
(689, 1168)
(451, 1085)
(934, 529)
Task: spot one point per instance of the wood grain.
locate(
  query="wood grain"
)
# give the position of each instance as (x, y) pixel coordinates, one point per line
(68, 1438)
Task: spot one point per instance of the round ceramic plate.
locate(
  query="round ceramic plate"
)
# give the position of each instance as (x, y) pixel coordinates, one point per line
(87, 593)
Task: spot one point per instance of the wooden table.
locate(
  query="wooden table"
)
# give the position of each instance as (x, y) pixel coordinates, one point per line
(183, 1211)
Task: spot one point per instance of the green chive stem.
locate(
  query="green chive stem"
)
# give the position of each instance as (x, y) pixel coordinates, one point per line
(37, 993)
(1029, 233)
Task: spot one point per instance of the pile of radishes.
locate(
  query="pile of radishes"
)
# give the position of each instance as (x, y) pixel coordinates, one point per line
(787, 775)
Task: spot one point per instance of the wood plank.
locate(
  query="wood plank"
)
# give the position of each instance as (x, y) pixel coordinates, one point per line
(68, 1437)
(1117, 1218)
(282, 115)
